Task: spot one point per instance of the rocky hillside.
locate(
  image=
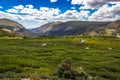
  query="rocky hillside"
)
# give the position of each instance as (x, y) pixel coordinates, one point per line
(15, 28)
(112, 29)
(44, 29)
(69, 28)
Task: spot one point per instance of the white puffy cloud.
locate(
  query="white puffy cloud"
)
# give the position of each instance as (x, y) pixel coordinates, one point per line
(9, 16)
(76, 2)
(1, 7)
(106, 13)
(72, 15)
(29, 6)
(27, 9)
(12, 11)
(95, 4)
(19, 7)
(28, 14)
(30, 10)
(53, 0)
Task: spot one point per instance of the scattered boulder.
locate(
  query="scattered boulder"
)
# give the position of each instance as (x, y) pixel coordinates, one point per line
(87, 48)
(80, 70)
(26, 77)
(44, 44)
(109, 48)
(83, 41)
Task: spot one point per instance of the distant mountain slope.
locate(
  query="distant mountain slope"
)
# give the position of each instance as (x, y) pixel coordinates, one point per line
(112, 29)
(26, 33)
(10, 24)
(69, 28)
(42, 30)
(16, 28)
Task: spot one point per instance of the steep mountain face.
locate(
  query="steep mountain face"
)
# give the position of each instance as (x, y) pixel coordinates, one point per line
(44, 29)
(15, 28)
(69, 28)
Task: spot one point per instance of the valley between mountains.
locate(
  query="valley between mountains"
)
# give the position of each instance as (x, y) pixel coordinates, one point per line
(73, 50)
(85, 28)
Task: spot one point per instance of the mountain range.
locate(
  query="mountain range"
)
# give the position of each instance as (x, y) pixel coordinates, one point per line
(90, 28)
(86, 28)
(69, 28)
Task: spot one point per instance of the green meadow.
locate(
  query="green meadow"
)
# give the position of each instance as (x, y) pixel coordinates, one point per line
(99, 56)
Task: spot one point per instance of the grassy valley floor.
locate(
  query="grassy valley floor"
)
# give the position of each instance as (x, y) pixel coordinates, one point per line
(99, 56)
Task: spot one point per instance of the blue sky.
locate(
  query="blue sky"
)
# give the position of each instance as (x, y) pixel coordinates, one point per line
(34, 13)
